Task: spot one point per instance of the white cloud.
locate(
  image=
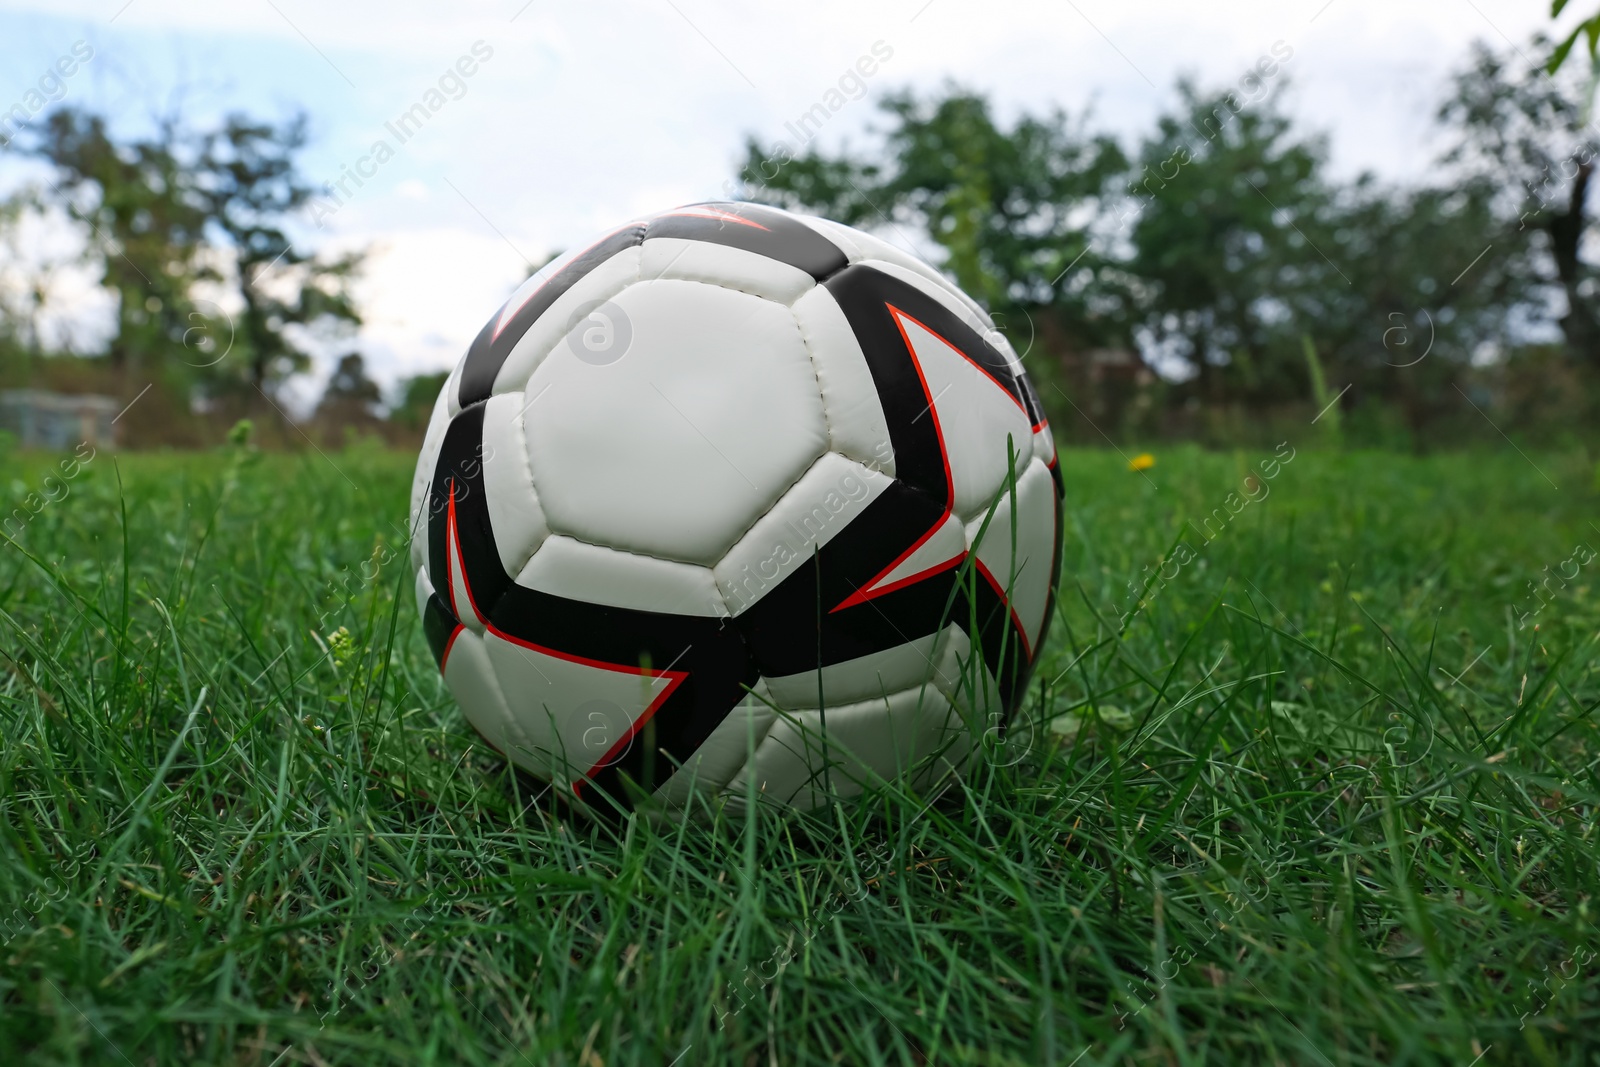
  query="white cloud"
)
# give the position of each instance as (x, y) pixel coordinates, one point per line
(426, 293)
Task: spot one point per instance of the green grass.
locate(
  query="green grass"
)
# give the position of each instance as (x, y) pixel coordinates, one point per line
(1263, 823)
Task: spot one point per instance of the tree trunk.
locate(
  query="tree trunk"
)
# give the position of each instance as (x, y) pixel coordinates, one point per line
(1566, 234)
(1205, 377)
(255, 330)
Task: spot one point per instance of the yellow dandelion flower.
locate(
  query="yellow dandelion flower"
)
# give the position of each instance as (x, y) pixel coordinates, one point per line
(1142, 462)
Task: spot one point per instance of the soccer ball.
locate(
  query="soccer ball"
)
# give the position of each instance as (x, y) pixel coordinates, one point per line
(736, 502)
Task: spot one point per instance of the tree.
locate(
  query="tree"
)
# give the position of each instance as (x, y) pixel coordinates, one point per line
(417, 396)
(1233, 212)
(160, 209)
(133, 198)
(247, 182)
(1431, 287)
(1524, 135)
(349, 389)
(1011, 209)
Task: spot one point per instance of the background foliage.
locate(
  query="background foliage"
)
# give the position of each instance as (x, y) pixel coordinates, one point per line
(1200, 284)
(1207, 279)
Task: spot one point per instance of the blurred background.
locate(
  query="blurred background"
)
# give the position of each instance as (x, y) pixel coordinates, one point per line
(1196, 222)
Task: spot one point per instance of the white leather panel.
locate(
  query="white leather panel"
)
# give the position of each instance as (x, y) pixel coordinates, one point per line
(856, 426)
(674, 449)
(1044, 444)
(911, 731)
(514, 512)
(471, 680)
(578, 570)
(457, 592)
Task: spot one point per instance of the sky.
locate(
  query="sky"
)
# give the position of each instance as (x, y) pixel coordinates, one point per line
(578, 116)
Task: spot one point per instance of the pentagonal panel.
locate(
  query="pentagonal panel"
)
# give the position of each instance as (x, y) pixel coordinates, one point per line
(674, 445)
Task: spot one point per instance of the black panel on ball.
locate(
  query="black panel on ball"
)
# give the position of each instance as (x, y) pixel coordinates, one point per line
(753, 228)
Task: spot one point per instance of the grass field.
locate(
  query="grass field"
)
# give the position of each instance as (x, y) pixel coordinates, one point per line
(1327, 797)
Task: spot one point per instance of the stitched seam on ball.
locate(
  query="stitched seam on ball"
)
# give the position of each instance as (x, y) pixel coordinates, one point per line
(852, 255)
(943, 646)
(870, 462)
(499, 691)
(543, 352)
(640, 555)
(541, 355)
(923, 269)
(519, 424)
(827, 429)
(662, 274)
(815, 742)
(816, 376)
(1004, 491)
(761, 733)
(745, 533)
